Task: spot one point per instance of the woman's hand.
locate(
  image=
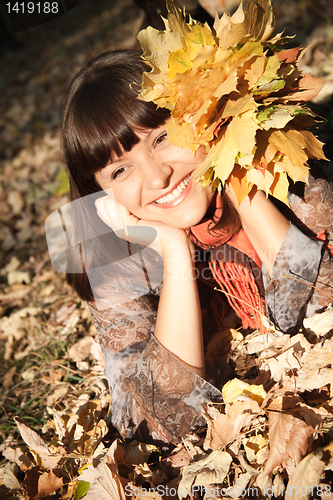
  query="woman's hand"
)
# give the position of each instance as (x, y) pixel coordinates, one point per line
(169, 240)
(263, 223)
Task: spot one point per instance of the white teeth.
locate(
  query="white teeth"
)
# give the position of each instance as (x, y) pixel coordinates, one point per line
(175, 193)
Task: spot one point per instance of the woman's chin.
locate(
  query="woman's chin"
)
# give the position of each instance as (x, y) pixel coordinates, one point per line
(190, 219)
(191, 215)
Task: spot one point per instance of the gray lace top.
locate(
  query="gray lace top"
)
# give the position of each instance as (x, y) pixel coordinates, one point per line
(154, 396)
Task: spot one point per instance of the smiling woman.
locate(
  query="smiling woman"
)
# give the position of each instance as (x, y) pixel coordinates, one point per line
(154, 181)
(154, 339)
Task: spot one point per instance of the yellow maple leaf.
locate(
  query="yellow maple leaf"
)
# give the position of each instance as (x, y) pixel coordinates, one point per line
(239, 106)
(257, 21)
(178, 62)
(295, 172)
(269, 75)
(157, 46)
(181, 60)
(236, 145)
(278, 116)
(254, 70)
(235, 389)
(176, 22)
(313, 147)
(290, 144)
(181, 135)
(263, 178)
(201, 35)
(265, 152)
(239, 183)
(279, 187)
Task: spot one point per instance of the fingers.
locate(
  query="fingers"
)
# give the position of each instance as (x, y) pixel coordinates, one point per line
(108, 211)
(126, 225)
(126, 217)
(115, 215)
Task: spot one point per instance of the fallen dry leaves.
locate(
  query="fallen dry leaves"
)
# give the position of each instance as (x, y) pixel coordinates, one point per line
(104, 479)
(309, 471)
(223, 428)
(270, 436)
(288, 439)
(39, 312)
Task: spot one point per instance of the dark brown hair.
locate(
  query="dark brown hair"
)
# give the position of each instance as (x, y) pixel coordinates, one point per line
(102, 114)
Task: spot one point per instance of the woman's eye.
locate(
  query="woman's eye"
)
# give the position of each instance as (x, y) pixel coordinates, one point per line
(161, 139)
(117, 172)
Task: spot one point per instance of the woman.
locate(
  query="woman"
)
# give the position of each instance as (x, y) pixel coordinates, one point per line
(154, 343)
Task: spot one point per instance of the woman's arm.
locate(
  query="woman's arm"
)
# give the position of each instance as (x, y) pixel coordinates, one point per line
(292, 259)
(178, 325)
(263, 223)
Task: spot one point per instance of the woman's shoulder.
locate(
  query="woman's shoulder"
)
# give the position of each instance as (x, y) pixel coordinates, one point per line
(313, 208)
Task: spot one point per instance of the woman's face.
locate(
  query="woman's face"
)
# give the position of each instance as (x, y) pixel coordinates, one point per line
(154, 181)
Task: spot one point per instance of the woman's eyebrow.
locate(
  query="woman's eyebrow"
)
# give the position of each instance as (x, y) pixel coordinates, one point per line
(117, 159)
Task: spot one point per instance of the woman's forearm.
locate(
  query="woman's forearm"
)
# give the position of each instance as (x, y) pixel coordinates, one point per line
(263, 223)
(178, 324)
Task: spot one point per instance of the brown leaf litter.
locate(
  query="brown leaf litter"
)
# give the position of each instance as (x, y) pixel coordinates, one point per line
(267, 438)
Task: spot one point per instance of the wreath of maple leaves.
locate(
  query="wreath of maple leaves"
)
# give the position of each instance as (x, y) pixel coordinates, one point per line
(237, 91)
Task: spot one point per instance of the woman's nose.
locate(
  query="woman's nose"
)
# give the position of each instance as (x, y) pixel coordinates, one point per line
(156, 173)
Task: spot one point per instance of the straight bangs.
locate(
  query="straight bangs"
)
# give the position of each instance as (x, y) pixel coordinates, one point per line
(102, 114)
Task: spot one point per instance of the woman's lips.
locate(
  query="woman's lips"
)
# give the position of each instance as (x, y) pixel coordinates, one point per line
(179, 198)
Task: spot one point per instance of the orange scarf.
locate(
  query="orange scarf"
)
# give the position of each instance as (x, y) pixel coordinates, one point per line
(235, 266)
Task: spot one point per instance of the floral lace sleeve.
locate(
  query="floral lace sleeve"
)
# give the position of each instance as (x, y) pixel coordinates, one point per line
(316, 213)
(154, 397)
(302, 280)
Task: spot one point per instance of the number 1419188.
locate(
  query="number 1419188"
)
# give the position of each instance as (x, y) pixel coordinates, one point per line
(32, 7)
(306, 490)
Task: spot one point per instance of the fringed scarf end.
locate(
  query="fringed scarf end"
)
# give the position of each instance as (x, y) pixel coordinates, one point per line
(240, 287)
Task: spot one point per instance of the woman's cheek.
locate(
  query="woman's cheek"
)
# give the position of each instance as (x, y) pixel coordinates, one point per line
(127, 202)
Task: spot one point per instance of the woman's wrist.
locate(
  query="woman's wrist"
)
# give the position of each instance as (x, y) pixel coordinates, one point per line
(179, 262)
(177, 245)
